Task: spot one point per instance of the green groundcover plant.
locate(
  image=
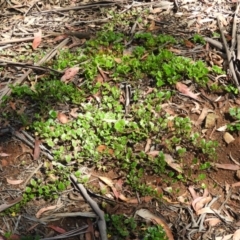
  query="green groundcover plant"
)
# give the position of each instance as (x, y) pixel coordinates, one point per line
(104, 120)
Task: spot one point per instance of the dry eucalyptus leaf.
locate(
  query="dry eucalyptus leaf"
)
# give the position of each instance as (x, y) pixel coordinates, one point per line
(182, 88)
(14, 182)
(213, 221)
(37, 39)
(170, 161)
(42, 210)
(69, 74)
(62, 118)
(205, 210)
(37, 150)
(222, 128)
(107, 181)
(232, 167)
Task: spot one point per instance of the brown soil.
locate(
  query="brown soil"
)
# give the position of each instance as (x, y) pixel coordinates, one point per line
(18, 163)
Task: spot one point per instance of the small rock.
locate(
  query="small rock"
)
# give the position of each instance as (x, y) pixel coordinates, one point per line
(210, 120)
(228, 138)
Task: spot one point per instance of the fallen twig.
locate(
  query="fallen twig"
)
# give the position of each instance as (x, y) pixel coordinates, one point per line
(57, 216)
(234, 28)
(25, 65)
(85, 6)
(229, 55)
(86, 35)
(101, 222)
(215, 43)
(32, 173)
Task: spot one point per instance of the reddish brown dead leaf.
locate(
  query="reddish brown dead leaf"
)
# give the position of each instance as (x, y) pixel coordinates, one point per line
(101, 148)
(62, 118)
(57, 229)
(37, 149)
(12, 105)
(104, 76)
(182, 88)
(118, 184)
(149, 90)
(37, 39)
(104, 148)
(4, 163)
(115, 192)
(69, 74)
(60, 38)
(188, 44)
(228, 37)
(14, 182)
(123, 198)
(146, 199)
(14, 237)
(42, 210)
(90, 230)
(99, 79)
(152, 26)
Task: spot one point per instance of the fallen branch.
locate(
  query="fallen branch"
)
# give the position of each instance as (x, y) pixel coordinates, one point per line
(229, 55)
(101, 222)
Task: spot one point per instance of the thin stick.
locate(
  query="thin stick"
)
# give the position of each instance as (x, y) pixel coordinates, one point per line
(101, 222)
(30, 176)
(229, 55)
(234, 28)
